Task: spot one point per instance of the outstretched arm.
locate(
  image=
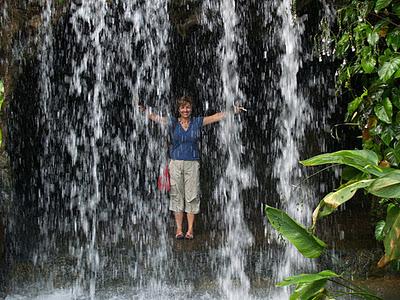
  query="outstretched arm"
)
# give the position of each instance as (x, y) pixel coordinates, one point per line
(152, 116)
(220, 115)
(213, 118)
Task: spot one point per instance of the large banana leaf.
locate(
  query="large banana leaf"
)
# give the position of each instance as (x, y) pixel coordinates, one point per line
(392, 236)
(387, 186)
(308, 244)
(333, 200)
(307, 278)
(363, 160)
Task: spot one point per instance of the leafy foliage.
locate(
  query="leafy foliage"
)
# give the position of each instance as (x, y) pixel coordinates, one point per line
(309, 286)
(368, 43)
(380, 182)
(308, 244)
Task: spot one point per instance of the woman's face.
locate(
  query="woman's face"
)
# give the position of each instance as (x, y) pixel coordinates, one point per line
(185, 110)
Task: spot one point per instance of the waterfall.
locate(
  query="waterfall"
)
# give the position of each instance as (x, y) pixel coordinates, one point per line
(83, 133)
(234, 282)
(295, 115)
(103, 229)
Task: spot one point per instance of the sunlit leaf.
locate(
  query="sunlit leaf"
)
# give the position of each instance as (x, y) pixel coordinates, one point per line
(392, 236)
(381, 4)
(389, 68)
(363, 160)
(387, 186)
(373, 38)
(307, 244)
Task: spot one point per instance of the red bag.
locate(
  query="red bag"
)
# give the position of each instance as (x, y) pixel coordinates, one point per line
(163, 182)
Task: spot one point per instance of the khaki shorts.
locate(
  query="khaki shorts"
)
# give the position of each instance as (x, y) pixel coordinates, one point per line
(184, 194)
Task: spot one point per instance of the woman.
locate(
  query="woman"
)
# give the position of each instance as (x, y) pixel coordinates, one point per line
(185, 133)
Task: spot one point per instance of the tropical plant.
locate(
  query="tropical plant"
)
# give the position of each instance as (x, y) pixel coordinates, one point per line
(311, 286)
(383, 182)
(368, 43)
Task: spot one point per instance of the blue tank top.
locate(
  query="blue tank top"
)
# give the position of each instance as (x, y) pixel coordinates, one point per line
(185, 143)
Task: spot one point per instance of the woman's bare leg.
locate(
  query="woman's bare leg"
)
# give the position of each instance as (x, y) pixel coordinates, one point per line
(190, 219)
(178, 221)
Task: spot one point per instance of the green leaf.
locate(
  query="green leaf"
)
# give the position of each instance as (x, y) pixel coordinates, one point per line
(389, 68)
(386, 56)
(387, 136)
(387, 186)
(307, 278)
(334, 199)
(397, 74)
(307, 244)
(350, 173)
(384, 110)
(392, 155)
(343, 45)
(393, 39)
(368, 64)
(373, 38)
(363, 160)
(353, 105)
(392, 236)
(309, 291)
(379, 233)
(381, 4)
(362, 30)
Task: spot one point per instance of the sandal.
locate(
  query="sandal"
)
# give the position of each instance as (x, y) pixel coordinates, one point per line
(189, 236)
(179, 236)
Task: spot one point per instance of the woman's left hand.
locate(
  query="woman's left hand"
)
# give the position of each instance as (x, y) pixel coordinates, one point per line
(237, 109)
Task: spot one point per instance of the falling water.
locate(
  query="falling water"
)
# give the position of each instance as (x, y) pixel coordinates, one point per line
(77, 118)
(234, 282)
(100, 211)
(294, 117)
